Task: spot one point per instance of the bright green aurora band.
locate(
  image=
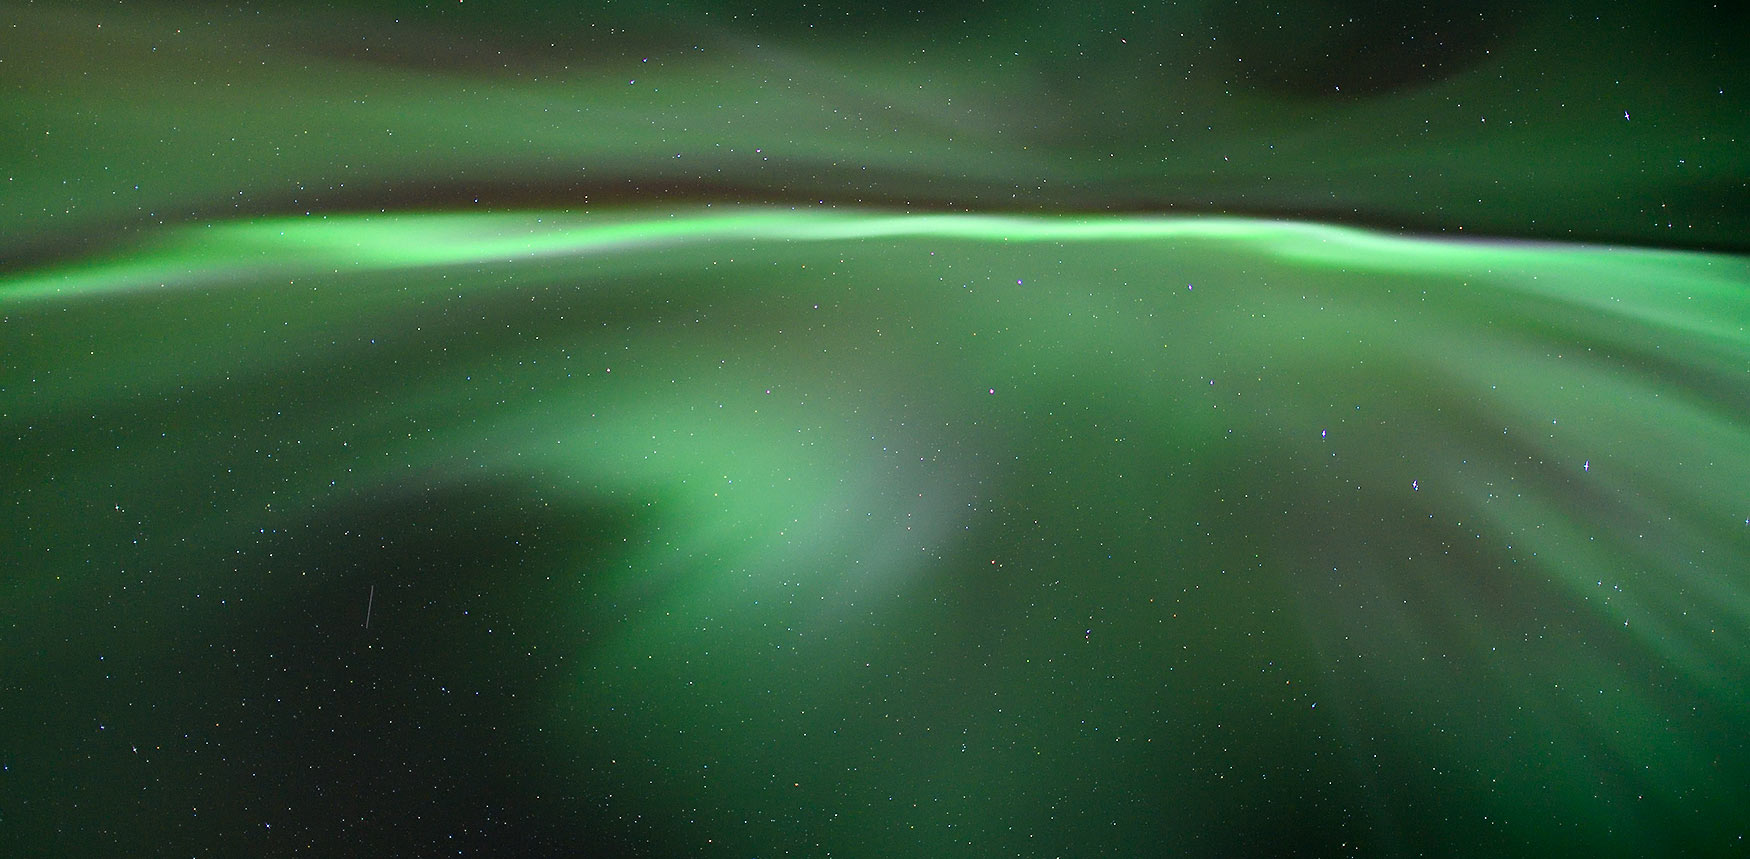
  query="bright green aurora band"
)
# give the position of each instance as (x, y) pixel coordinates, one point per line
(681, 527)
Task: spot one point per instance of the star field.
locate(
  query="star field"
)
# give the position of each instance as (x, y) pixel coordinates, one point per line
(762, 429)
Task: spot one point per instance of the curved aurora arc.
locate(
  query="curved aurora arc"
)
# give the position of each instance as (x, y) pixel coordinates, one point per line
(877, 534)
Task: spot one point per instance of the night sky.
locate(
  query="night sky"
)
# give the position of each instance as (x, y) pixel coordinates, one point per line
(747, 429)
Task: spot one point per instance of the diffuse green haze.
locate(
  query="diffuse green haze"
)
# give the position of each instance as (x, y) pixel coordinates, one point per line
(725, 427)
(1624, 125)
(795, 530)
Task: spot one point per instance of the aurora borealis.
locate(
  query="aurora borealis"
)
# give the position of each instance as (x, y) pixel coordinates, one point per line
(761, 431)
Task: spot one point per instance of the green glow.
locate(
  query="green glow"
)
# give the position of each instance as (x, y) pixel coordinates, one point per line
(183, 112)
(1465, 497)
(980, 430)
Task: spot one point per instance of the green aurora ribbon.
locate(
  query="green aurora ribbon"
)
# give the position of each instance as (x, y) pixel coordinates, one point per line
(944, 508)
(761, 501)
